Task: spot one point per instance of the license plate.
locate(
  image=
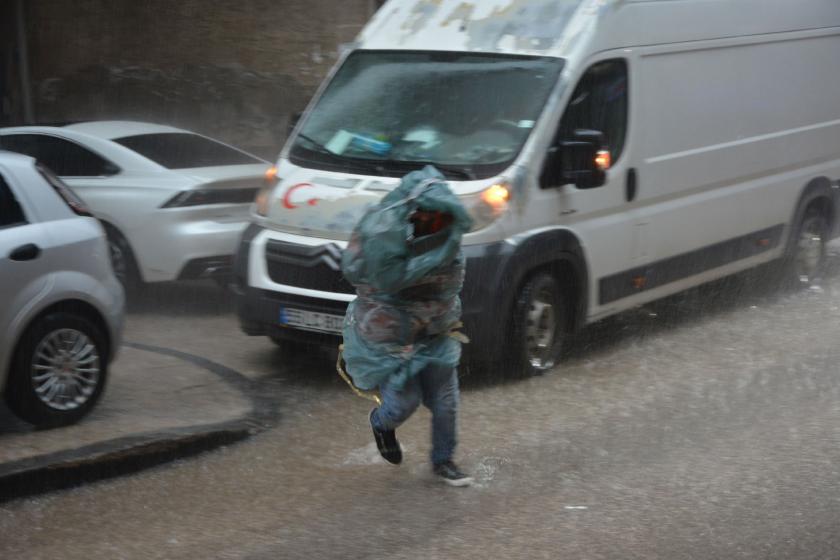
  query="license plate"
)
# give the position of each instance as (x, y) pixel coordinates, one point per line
(311, 320)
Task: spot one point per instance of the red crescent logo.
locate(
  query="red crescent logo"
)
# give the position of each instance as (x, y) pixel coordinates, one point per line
(287, 198)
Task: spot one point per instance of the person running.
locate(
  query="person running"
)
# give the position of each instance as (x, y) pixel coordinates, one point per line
(400, 334)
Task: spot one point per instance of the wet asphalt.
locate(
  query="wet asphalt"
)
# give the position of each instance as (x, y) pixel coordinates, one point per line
(704, 426)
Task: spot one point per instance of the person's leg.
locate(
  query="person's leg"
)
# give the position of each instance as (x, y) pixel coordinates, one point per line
(397, 405)
(441, 395)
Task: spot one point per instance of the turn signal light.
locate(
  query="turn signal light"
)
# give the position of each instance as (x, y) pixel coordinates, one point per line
(271, 175)
(603, 160)
(496, 196)
(263, 198)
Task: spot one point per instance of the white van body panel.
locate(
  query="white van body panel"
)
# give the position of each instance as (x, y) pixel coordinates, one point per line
(734, 158)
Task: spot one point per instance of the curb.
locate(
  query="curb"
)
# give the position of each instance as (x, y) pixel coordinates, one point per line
(109, 459)
(131, 454)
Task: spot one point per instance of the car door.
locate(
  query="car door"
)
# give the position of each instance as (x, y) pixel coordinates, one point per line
(24, 271)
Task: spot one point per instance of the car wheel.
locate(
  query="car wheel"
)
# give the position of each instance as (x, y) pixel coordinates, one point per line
(540, 325)
(122, 260)
(58, 370)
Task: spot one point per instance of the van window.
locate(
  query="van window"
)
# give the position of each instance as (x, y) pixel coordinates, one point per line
(599, 103)
(11, 213)
(65, 158)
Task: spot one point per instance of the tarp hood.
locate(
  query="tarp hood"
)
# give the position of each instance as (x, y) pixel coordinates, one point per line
(408, 289)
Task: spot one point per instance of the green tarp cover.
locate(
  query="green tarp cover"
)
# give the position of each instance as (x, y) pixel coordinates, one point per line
(408, 289)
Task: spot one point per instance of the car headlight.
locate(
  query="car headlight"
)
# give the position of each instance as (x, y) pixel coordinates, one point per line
(262, 202)
(488, 205)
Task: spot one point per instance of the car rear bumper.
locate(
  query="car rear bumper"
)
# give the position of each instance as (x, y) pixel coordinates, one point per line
(169, 249)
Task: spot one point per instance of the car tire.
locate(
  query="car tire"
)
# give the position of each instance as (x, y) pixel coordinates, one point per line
(58, 371)
(123, 261)
(540, 325)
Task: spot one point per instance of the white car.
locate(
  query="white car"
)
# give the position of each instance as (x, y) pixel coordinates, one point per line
(61, 311)
(173, 203)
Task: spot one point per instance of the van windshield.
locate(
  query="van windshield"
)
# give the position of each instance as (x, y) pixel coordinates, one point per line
(386, 113)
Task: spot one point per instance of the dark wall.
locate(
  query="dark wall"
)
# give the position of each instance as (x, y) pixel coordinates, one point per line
(9, 94)
(232, 70)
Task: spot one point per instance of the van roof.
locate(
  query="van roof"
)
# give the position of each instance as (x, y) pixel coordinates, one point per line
(559, 28)
(505, 26)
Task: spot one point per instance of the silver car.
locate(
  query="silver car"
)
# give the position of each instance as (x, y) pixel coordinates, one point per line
(173, 203)
(61, 313)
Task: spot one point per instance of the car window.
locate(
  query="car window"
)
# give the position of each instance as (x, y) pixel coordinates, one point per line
(11, 214)
(65, 158)
(181, 150)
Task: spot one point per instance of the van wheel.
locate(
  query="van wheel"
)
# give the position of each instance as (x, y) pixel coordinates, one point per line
(122, 260)
(58, 371)
(807, 256)
(540, 325)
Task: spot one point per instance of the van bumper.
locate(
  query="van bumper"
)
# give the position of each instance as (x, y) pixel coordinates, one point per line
(485, 316)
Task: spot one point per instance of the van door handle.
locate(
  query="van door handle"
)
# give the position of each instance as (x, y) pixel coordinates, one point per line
(631, 185)
(28, 252)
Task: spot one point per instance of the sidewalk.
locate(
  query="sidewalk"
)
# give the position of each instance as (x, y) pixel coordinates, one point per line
(156, 408)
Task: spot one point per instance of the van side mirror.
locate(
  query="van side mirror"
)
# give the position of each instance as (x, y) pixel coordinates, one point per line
(582, 160)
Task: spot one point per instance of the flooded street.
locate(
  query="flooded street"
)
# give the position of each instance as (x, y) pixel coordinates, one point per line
(193, 195)
(707, 425)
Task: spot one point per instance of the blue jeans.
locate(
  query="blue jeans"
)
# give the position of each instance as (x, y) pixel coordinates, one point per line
(437, 387)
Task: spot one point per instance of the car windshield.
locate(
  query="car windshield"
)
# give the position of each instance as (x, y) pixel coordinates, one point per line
(467, 113)
(181, 150)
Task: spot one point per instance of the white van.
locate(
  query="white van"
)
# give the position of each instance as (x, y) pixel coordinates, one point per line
(612, 152)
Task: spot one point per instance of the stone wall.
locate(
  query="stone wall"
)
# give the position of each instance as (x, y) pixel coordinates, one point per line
(233, 69)
(9, 77)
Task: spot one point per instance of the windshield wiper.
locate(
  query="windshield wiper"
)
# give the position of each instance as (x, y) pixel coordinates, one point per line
(345, 162)
(388, 165)
(321, 149)
(454, 172)
(411, 165)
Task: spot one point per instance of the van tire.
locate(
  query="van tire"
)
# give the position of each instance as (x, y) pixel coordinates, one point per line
(40, 338)
(805, 259)
(540, 325)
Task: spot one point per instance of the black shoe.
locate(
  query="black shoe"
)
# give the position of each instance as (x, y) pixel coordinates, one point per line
(450, 474)
(387, 443)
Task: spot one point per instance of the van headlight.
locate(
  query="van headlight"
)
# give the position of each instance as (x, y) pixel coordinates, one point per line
(488, 205)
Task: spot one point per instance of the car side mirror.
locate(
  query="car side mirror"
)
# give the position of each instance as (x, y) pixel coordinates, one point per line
(110, 169)
(582, 160)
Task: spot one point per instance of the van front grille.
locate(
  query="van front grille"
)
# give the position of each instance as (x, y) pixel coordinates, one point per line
(301, 266)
